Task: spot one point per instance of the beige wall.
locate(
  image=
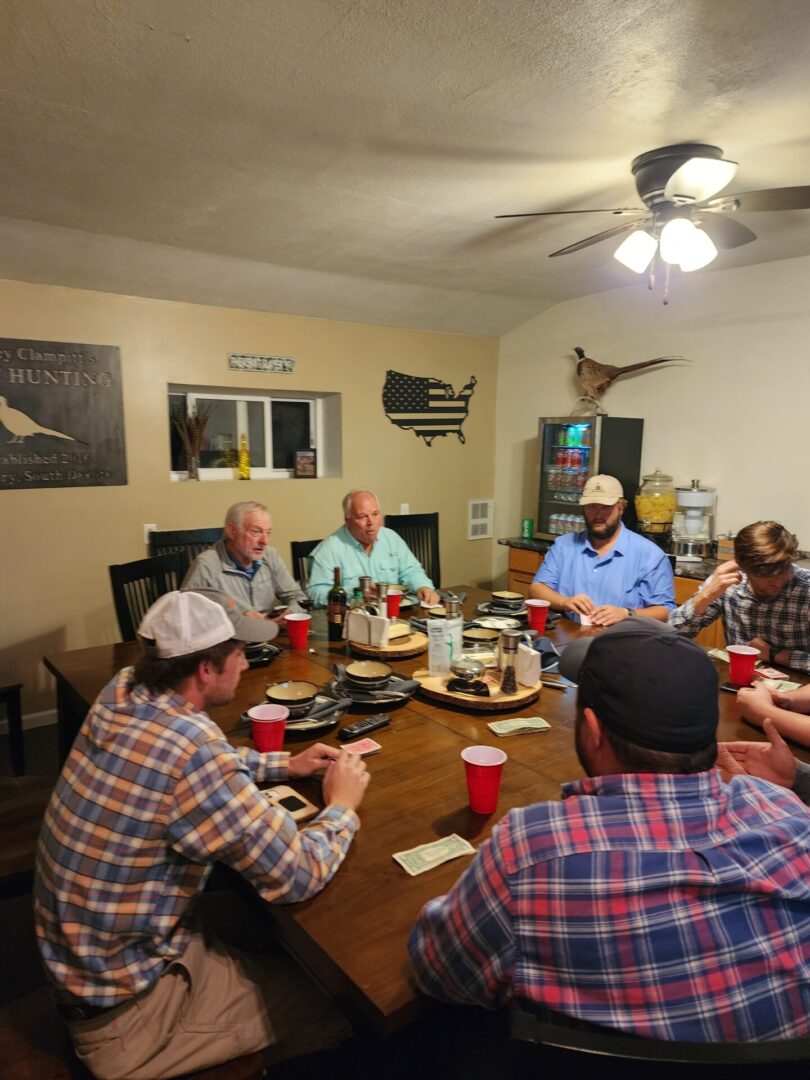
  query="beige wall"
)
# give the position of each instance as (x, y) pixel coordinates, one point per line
(736, 416)
(57, 544)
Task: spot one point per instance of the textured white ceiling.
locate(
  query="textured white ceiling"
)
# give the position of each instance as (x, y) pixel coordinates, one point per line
(346, 158)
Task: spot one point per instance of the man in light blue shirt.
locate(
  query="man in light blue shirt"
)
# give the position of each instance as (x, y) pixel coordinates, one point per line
(605, 573)
(361, 547)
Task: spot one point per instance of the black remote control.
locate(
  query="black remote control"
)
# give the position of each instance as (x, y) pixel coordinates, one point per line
(364, 726)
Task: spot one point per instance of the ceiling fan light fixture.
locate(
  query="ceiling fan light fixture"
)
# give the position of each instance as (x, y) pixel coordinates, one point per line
(636, 251)
(699, 178)
(700, 253)
(676, 239)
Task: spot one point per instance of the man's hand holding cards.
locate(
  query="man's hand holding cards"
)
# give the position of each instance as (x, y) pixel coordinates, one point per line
(363, 747)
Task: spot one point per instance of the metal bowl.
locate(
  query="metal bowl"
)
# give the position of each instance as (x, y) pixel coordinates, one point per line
(298, 696)
(467, 669)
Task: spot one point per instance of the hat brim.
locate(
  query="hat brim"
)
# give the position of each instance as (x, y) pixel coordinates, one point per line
(590, 500)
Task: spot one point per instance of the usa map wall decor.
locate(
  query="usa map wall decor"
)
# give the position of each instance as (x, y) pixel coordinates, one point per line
(428, 407)
(61, 415)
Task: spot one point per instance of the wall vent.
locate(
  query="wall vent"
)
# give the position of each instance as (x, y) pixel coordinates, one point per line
(480, 515)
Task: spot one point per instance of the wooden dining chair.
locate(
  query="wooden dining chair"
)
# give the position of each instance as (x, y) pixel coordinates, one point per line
(136, 586)
(421, 533)
(301, 551)
(188, 541)
(537, 1035)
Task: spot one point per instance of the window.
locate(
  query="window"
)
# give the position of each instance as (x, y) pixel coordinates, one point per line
(276, 425)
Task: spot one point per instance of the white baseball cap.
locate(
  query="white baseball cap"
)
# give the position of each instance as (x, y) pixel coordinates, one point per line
(602, 489)
(182, 623)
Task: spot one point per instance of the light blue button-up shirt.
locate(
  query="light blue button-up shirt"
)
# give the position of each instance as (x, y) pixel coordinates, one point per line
(390, 559)
(633, 573)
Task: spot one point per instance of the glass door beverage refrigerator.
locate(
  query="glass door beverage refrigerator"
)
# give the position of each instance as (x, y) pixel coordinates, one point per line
(573, 448)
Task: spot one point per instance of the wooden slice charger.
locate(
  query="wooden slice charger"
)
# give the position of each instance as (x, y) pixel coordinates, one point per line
(412, 645)
(435, 686)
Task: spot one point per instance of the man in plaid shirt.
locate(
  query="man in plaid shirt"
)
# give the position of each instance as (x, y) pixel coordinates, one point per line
(762, 598)
(150, 797)
(654, 899)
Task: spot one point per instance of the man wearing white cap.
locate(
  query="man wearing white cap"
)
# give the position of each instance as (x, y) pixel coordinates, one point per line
(605, 573)
(150, 797)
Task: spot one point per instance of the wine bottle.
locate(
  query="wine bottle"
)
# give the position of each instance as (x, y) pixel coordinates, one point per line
(336, 608)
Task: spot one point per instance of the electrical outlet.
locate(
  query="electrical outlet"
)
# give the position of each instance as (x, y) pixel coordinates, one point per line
(404, 508)
(146, 530)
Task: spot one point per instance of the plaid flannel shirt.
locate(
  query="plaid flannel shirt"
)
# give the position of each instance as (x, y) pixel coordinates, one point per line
(784, 621)
(150, 797)
(676, 907)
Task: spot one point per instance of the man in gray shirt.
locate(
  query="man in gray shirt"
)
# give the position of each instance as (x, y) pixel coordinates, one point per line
(243, 566)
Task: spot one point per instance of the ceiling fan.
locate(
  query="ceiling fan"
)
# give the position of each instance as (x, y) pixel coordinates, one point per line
(683, 221)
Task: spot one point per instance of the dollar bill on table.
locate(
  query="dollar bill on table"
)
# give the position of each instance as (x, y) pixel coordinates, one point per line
(719, 654)
(427, 856)
(521, 725)
(786, 685)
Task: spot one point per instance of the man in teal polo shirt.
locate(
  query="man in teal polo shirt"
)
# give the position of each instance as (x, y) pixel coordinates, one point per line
(605, 573)
(362, 547)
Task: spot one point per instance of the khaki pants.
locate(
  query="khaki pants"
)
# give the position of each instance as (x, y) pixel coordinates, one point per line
(214, 1004)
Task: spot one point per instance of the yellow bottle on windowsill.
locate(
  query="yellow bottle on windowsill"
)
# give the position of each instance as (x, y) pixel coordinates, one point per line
(244, 458)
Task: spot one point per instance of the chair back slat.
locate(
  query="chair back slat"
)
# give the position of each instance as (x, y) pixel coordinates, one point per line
(421, 533)
(301, 551)
(136, 586)
(188, 541)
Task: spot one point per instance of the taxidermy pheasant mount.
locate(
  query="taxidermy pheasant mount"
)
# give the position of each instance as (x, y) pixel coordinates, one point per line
(595, 378)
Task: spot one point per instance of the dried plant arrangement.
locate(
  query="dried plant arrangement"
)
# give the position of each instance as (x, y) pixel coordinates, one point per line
(190, 426)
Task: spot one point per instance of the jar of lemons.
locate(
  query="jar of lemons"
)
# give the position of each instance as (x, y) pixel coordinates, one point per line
(655, 503)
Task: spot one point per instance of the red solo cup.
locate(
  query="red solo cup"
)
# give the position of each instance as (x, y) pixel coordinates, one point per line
(741, 659)
(298, 630)
(267, 724)
(392, 601)
(484, 766)
(538, 613)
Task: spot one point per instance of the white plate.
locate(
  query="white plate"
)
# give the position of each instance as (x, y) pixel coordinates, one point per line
(498, 622)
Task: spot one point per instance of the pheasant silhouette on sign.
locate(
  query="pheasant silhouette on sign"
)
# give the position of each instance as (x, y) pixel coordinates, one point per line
(428, 407)
(20, 426)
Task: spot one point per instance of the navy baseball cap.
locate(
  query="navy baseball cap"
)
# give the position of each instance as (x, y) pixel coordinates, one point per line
(646, 683)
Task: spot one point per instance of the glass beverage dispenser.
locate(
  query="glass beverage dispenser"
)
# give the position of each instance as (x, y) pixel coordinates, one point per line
(655, 508)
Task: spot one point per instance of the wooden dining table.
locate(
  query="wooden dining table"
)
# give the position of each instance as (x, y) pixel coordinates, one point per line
(352, 937)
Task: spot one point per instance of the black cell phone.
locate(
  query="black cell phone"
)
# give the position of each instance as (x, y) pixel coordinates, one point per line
(730, 687)
(292, 803)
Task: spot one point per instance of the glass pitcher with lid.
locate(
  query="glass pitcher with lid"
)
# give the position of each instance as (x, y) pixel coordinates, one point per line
(655, 503)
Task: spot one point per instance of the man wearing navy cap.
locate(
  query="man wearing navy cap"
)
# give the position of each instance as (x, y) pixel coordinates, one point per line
(654, 899)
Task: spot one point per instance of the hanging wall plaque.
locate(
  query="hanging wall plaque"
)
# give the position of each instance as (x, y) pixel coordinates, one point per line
(61, 415)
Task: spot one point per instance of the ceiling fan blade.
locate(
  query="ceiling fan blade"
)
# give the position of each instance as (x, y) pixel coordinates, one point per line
(554, 213)
(783, 198)
(698, 179)
(626, 226)
(726, 232)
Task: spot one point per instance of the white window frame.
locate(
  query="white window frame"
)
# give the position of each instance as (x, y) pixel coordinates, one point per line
(316, 430)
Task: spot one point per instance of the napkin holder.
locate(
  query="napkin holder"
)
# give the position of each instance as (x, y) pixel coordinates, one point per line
(365, 629)
(527, 666)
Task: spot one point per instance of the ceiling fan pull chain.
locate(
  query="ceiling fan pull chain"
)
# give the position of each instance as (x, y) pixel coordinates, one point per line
(666, 285)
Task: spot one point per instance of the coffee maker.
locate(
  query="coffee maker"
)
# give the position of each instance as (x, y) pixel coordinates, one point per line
(693, 523)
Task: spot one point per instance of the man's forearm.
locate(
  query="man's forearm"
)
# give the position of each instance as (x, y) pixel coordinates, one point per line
(538, 591)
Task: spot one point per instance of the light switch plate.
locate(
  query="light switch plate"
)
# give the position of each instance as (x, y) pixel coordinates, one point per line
(146, 530)
(404, 508)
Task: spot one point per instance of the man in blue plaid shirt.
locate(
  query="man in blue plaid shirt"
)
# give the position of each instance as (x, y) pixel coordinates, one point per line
(655, 898)
(762, 598)
(151, 796)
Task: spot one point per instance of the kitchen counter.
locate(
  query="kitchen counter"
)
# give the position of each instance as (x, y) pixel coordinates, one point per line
(695, 571)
